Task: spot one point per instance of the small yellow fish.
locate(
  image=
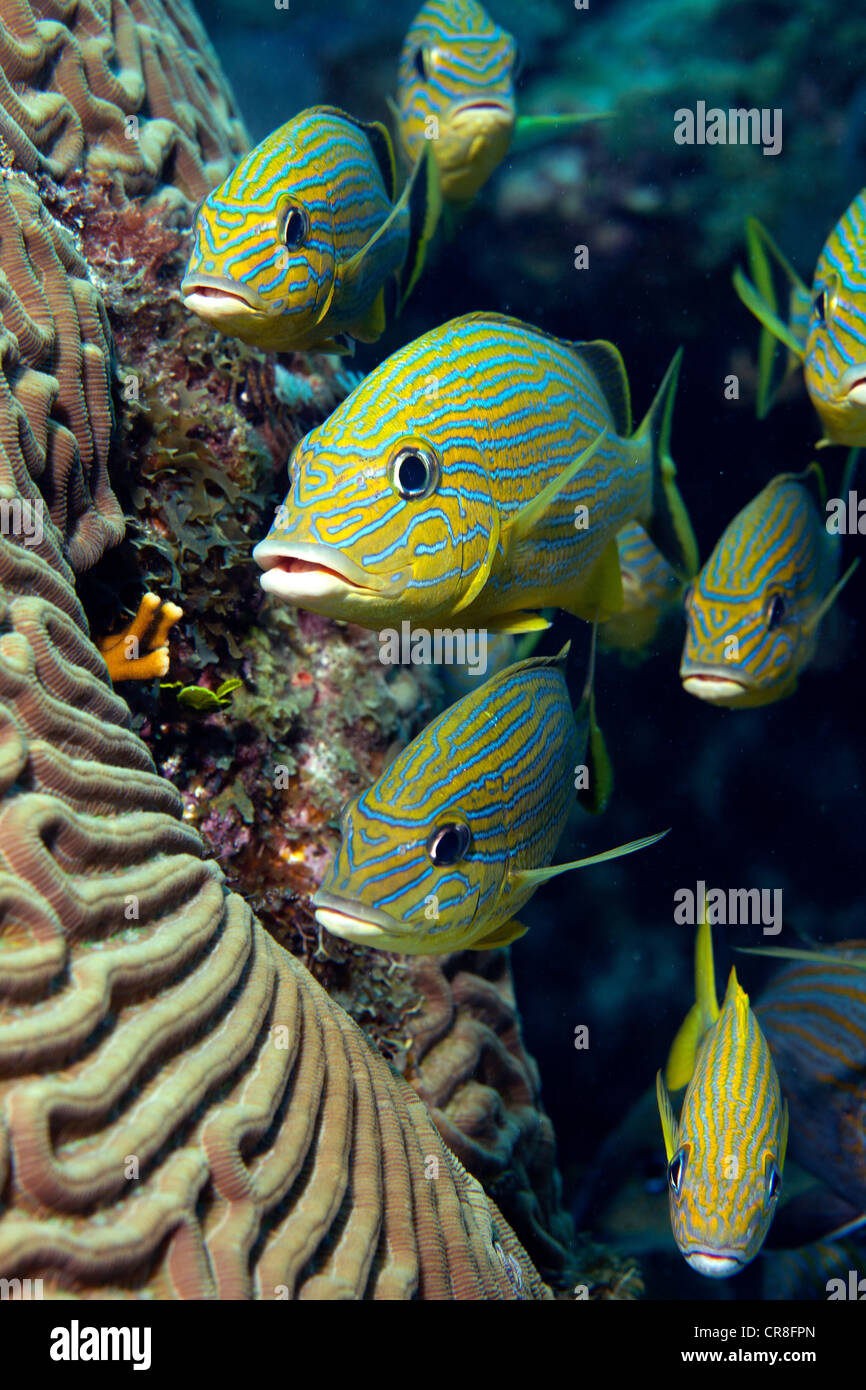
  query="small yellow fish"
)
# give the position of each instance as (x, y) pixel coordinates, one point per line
(305, 244)
(483, 470)
(824, 328)
(651, 591)
(457, 834)
(727, 1151)
(754, 610)
(455, 93)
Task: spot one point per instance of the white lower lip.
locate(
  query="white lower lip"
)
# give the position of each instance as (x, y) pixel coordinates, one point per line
(713, 1266)
(293, 585)
(349, 928)
(216, 306)
(707, 688)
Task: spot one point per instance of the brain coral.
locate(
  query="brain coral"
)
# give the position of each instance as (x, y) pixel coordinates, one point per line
(469, 1064)
(184, 1113)
(127, 88)
(56, 359)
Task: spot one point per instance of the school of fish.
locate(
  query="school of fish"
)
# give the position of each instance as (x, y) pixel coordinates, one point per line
(486, 475)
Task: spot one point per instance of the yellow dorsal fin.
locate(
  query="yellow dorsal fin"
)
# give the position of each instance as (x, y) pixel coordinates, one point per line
(700, 1017)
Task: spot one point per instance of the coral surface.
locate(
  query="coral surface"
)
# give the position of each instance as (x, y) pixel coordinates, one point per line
(130, 89)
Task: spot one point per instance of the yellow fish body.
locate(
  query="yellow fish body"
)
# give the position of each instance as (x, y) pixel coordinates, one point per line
(651, 590)
(726, 1153)
(483, 470)
(306, 244)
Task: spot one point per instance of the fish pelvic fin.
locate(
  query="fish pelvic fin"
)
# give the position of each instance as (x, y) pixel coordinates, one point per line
(519, 527)
(500, 936)
(598, 595)
(774, 283)
(700, 1017)
(423, 197)
(531, 878)
(518, 622)
(595, 796)
(668, 525)
(670, 1126)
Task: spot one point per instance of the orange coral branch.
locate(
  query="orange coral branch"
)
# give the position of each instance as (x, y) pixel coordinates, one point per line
(149, 629)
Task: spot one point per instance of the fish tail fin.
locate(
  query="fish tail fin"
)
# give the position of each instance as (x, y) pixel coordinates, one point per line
(781, 303)
(668, 524)
(700, 1017)
(595, 796)
(423, 197)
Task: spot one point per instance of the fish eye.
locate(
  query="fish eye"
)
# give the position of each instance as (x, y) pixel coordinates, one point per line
(296, 228)
(819, 307)
(687, 596)
(775, 612)
(414, 472)
(774, 1182)
(344, 813)
(448, 843)
(677, 1170)
(419, 63)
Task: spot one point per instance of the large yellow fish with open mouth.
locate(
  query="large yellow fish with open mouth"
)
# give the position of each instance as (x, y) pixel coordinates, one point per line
(483, 470)
(457, 834)
(306, 244)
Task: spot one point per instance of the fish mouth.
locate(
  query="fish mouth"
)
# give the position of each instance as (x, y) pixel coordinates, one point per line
(716, 687)
(852, 384)
(467, 109)
(715, 1264)
(356, 922)
(309, 570)
(214, 297)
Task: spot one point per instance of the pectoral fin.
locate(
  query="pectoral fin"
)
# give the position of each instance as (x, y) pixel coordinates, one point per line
(826, 604)
(528, 129)
(501, 936)
(525, 877)
(668, 1119)
(521, 525)
(764, 299)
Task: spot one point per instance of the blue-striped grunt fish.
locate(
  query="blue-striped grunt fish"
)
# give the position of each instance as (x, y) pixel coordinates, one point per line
(456, 835)
(651, 591)
(813, 1014)
(483, 470)
(455, 92)
(823, 329)
(727, 1151)
(754, 611)
(306, 244)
